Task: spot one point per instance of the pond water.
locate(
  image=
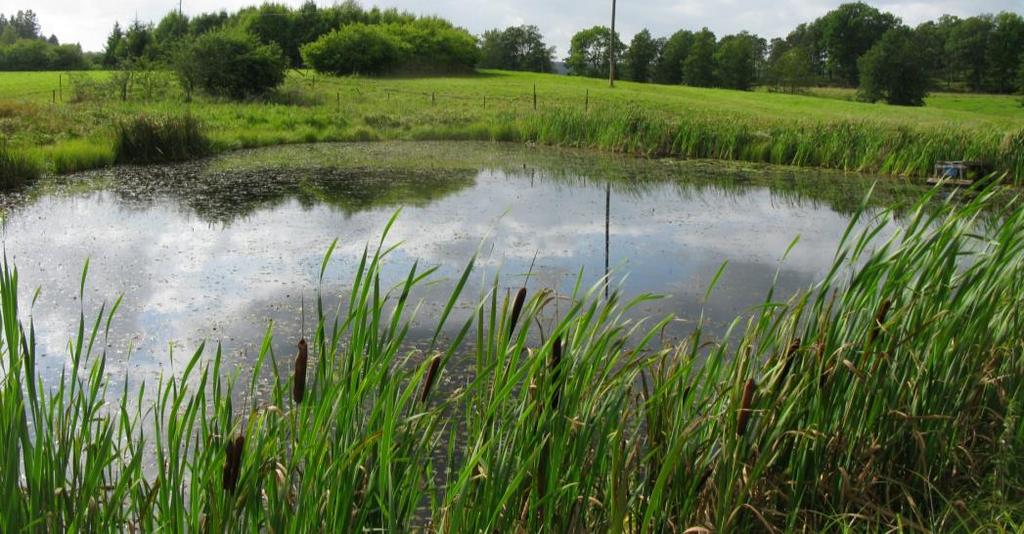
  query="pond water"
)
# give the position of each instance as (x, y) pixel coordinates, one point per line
(219, 249)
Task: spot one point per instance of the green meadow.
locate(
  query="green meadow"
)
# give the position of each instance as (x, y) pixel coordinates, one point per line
(825, 128)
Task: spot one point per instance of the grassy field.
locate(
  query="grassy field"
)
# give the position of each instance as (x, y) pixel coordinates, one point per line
(888, 397)
(823, 129)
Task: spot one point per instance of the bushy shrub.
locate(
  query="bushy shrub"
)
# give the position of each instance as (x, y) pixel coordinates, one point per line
(427, 45)
(146, 139)
(355, 49)
(434, 45)
(232, 64)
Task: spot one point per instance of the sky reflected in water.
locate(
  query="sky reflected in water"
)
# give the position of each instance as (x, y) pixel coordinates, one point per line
(215, 251)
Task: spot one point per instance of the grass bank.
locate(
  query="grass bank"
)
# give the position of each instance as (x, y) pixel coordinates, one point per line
(888, 396)
(643, 119)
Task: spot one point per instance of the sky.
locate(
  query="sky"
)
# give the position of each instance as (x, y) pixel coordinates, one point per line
(88, 22)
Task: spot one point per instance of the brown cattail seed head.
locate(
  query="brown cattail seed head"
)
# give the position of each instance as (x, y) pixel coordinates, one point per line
(233, 463)
(301, 363)
(883, 312)
(517, 309)
(744, 414)
(428, 383)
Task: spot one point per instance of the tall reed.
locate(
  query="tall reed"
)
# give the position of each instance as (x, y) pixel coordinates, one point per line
(147, 139)
(887, 396)
(16, 169)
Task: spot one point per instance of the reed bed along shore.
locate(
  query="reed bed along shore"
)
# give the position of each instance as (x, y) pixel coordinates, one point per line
(641, 119)
(886, 397)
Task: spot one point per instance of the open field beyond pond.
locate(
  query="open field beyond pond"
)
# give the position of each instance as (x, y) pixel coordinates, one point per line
(823, 129)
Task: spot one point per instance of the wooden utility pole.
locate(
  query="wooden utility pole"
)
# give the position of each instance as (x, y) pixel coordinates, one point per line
(611, 51)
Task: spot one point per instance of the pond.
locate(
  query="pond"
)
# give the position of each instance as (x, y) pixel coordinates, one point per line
(217, 250)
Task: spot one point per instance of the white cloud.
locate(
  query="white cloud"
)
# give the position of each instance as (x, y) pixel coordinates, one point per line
(88, 22)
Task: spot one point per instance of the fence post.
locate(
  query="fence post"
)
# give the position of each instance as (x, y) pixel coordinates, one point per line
(339, 101)
(535, 97)
(586, 101)
(433, 98)
(60, 86)
(485, 101)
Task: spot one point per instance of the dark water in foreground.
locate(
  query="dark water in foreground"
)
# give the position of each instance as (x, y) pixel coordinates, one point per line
(216, 250)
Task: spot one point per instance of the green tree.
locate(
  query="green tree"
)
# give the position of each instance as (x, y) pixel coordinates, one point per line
(8, 35)
(519, 48)
(139, 42)
(792, 70)
(1020, 78)
(234, 64)
(113, 52)
(847, 33)
(25, 24)
(1005, 52)
(736, 60)
(589, 52)
(29, 54)
(173, 27)
(355, 49)
(967, 47)
(639, 59)
(207, 22)
(668, 66)
(893, 70)
(309, 23)
(68, 57)
(932, 36)
(273, 24)
(699, 65)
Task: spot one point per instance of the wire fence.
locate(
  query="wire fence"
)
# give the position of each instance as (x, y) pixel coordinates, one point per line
(533, 98)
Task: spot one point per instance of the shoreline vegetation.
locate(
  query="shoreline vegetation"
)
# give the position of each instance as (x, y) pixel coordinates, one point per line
(887, 396)
(639, 119)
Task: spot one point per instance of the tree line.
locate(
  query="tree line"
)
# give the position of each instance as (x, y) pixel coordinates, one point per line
(854, 45)
(24, 47)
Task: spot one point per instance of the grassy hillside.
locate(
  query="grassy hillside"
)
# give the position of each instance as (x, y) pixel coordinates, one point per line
(822, 130)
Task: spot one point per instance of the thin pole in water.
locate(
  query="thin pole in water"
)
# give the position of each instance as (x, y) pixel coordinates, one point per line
(611, 49)
(607, 234)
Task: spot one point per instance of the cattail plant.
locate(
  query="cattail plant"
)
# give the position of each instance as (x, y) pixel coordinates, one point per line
(743, 417)
(233, 463)
(428, 382)
(876, 328)
(517, 309)
(301, 363)
(556, 371)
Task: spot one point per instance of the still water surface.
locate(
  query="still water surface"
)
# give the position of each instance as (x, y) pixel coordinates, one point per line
(217, 250)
